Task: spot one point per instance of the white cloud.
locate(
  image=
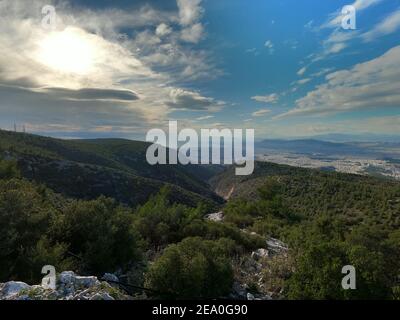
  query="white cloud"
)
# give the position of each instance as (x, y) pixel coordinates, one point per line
(301, 71)
(336, 48)
(204, 118)
(253, 51)
(364, 4)
(120, 81)
(303, 81)
(190, 11)
(261, 112)
(181, 99)
(193, 33)
(335, 43)
(163, 30)
(270, 98)
(309, 24)
(389, 25)
(322, 72)
(270, 46)
(335, 20)
(293, 44)
(372, 84)
(45, 58)
(338, 40)
(107, 22)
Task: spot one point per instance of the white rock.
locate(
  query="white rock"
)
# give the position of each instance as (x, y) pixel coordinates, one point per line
(276, 245)
(86, 282)
(250, 296)
(260, 253)
(12, 288)
(67, 277)
(217, 217)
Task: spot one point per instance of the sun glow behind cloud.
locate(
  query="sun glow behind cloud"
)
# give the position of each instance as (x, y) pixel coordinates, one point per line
(67, 51)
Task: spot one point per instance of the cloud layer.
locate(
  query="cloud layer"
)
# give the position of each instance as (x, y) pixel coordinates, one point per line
(372, 84)
(89, 65)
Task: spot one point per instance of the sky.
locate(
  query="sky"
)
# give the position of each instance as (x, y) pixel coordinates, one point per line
(286, 68)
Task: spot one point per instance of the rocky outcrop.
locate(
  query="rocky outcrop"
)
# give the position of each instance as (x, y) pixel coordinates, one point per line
(277, 246)
(253, 271)
(242, 292)
(12, 288)
(69, 287)
(260, 254)
(217, 216)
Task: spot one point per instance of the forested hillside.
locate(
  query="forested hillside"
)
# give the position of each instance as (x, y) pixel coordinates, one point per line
(115, 168)
(39, 227)
(284, 233)
(329, 220)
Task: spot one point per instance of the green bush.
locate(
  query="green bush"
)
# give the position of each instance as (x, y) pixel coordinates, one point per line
(9, 169)
(193, 268)
(161, 223)
(38, 228)
(324, 247)
(101, 233)
(26, 212)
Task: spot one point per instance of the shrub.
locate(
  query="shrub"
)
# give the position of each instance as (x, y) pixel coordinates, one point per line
(8, 169)
(161, 223)
(194, 268)
(101, 233)
(24, 219)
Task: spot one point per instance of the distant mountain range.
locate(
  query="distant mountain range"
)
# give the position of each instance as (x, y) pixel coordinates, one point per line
(367, 137)
(327, 149)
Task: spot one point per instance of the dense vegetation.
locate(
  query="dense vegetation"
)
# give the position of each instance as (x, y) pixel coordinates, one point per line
(328, 220)
(116, 168)
(194, 268)
(39, 227)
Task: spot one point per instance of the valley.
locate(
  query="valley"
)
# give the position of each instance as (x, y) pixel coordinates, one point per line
(373, 158)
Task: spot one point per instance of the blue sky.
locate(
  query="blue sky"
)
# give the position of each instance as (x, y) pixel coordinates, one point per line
(283, 67)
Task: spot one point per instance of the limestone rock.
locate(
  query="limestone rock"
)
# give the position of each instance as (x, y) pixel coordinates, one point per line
(217, 217)
(69, 287)
(86, 282)
(13, 288)
(276, 245)
(260, 253)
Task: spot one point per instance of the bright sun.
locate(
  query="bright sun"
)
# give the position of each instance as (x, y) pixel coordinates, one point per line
(68, 51)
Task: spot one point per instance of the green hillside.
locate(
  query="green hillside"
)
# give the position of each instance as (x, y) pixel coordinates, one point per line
(311, 193)
(306, 224)
(112, 167)
(328, 220)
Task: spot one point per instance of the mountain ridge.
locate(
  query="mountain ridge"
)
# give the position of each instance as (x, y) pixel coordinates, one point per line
(112, 167)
